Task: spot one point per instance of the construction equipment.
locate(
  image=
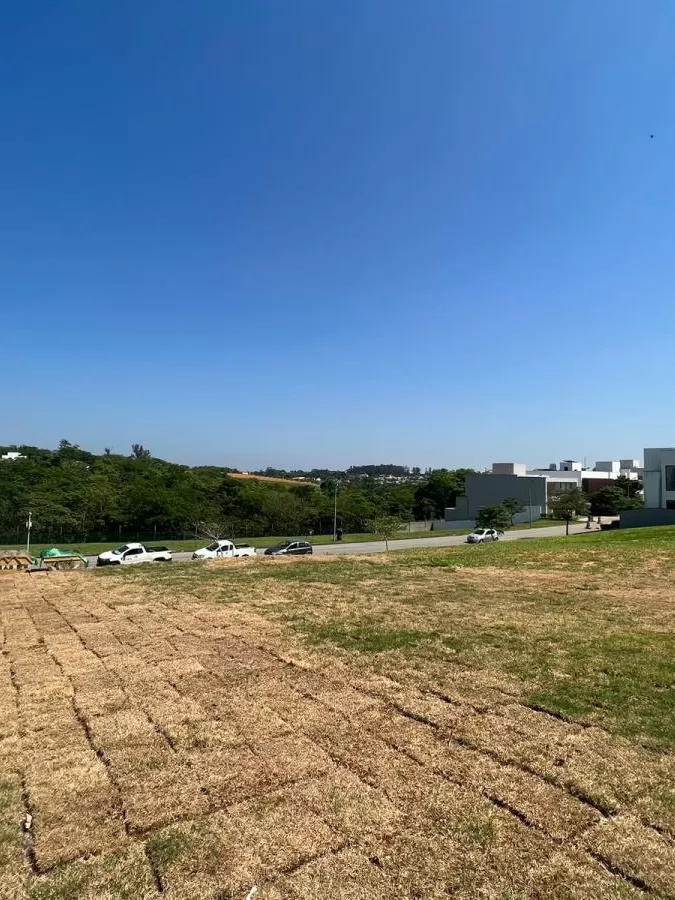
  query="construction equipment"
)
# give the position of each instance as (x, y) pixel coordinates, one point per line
(63, 560)
(49, 560)
(15, 560)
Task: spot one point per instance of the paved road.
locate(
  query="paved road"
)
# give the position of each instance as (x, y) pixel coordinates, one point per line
(447, 541)
(343, 549)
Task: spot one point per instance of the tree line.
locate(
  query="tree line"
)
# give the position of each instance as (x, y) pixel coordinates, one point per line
(75, 495)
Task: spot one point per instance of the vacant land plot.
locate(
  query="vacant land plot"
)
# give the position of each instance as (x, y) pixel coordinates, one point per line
(481, 722)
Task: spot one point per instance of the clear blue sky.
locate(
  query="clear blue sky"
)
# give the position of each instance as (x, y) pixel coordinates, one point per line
(317, 233)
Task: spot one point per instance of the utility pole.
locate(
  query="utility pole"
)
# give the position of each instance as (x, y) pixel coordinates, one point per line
(29, 525)
(337, 484)
(529, 501)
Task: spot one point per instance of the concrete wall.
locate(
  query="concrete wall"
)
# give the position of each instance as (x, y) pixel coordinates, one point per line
(421, 525)
(454, 525)
(459, 512)
(523, 518)
(641, 518)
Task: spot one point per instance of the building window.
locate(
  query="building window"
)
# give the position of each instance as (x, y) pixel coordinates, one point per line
(670, 504)
(670, 478)
(558, 487)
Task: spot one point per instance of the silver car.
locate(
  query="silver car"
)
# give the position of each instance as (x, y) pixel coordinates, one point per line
(482, 536)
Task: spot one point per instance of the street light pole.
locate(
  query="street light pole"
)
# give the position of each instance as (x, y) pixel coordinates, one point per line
(337, 484)
(529, 500)
(29, 525)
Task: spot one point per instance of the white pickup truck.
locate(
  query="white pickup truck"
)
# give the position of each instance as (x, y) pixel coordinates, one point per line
(224, 550)
(133, 553)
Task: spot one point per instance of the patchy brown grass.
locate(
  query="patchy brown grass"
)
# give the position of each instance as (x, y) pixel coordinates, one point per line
(339, 729)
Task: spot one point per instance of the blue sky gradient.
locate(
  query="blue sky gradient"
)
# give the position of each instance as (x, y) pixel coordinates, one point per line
(258, 233)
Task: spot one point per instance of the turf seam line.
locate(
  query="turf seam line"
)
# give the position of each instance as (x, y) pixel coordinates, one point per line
(605, 812)
(479, 751)
(140, 835)
(535, 707)
(25, 793)
(415, 717)
(104, 759)
(506, 807)
(509, 699)
(162, 732)
(157, 876)
(398, 749)
(615, 870)
(313, 857)
(334, 757)
(84, 724)
(565, 788)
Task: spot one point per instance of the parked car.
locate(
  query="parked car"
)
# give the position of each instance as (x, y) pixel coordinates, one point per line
(482, 536)
(289, 548)
(224, 550)
(133, 553)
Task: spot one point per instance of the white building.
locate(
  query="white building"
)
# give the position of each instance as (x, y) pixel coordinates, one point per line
(534, 488)
(659, 478)
(572, 474)
(12, 454)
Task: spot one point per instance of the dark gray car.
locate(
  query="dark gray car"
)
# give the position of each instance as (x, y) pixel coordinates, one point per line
(289, 548)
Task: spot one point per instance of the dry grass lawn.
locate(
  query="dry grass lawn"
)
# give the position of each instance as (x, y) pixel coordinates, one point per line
(471, 723)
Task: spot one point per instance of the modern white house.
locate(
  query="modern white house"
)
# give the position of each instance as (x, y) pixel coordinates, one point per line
(532, 487)
(571, 473)
(659, 478)
(12, 454)
(659, 490)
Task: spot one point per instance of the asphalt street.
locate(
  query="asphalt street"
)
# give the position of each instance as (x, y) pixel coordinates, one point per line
(345, 549)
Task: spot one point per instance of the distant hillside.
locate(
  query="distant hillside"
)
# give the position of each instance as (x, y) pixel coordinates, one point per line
(274, 479)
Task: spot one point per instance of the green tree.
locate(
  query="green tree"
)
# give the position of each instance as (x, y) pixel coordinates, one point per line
(629, 487)
(442, 487)
(497, 517)
(428, 508)
(633, 503)
(610, 500)
(568, 505)
(74, 493)
(385, 527)
(513, 506)
(355, 509)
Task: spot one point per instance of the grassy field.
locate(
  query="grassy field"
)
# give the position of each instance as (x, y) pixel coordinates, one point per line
(475, 722)
(93, 549)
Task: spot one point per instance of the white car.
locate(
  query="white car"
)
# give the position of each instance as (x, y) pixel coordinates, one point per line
(482, 536)
(133, 553)
(224, 550)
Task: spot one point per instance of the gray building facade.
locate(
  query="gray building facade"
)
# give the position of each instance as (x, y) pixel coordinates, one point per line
(491, 489)
(659, 491)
